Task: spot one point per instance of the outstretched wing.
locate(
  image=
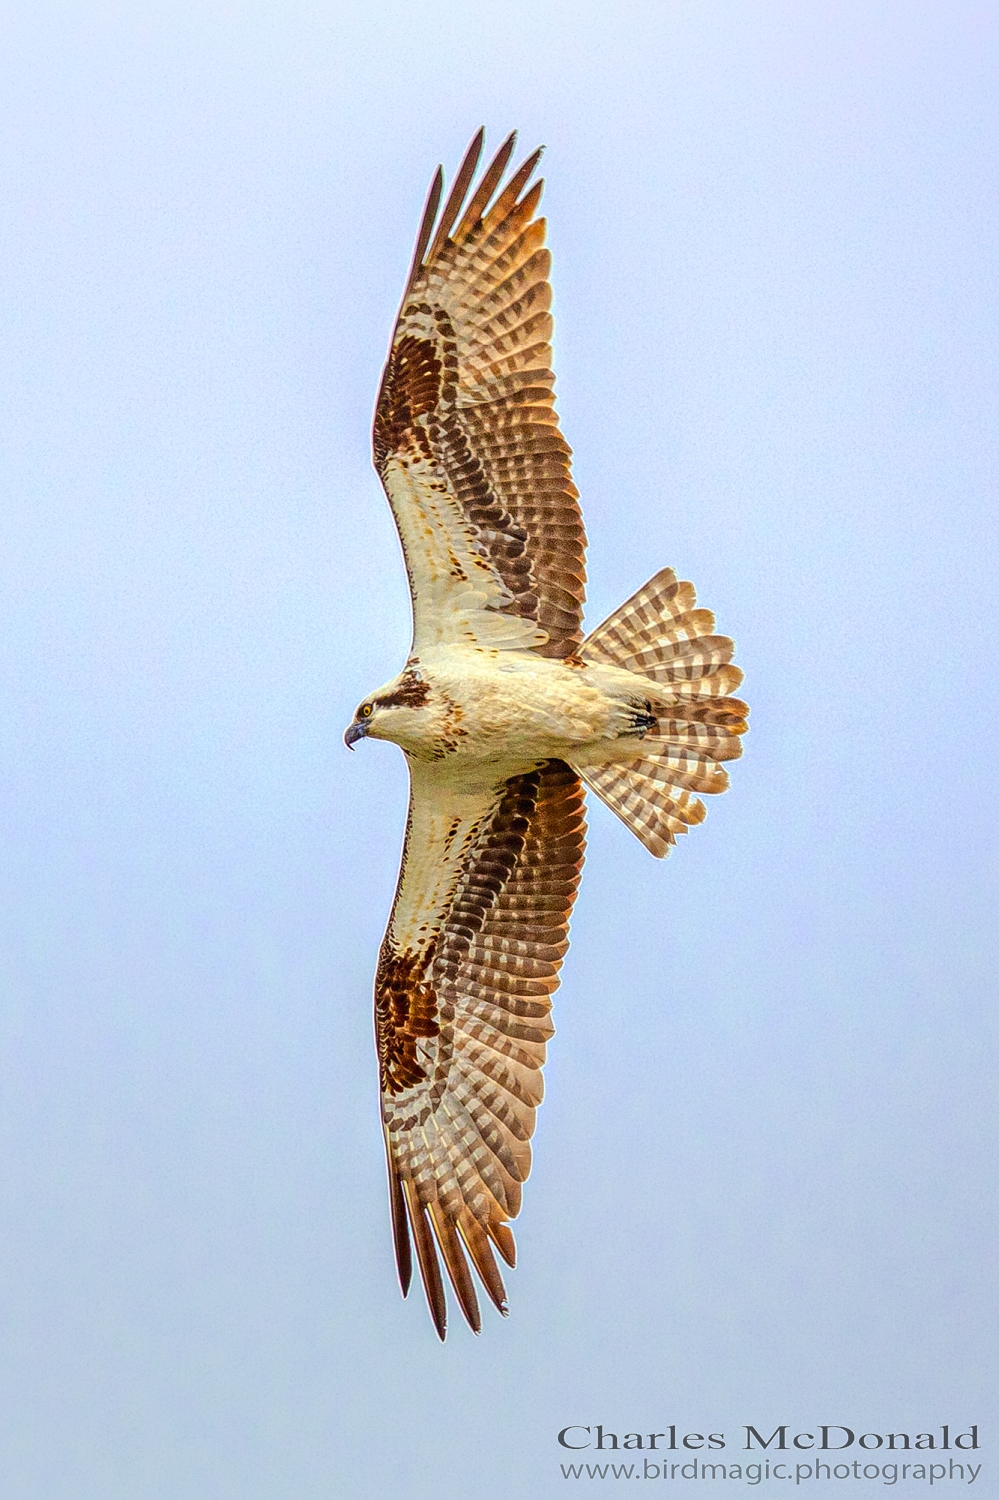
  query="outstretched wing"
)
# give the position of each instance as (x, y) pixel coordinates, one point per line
(462, 1001)
(466, 439)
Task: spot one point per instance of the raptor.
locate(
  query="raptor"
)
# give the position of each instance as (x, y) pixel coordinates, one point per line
(504, 711)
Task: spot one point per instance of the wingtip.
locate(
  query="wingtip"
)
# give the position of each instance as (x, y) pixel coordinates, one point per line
(448, 1238)
(504, 1241)
(426, 224)
(532, 161)
(438, 1315)
(400, 1227)
(456, 197)
(434, 232)
(426, 1255)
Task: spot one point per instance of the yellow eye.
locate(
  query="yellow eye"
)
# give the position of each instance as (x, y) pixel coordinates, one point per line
(365, 711)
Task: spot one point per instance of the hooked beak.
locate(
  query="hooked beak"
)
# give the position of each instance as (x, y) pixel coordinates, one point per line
(355, 732)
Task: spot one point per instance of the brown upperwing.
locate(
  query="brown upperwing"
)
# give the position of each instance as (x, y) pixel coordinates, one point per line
(462, 1023)
(466, 439)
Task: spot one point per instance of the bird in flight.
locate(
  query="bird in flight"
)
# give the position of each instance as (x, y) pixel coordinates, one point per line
(504, 711)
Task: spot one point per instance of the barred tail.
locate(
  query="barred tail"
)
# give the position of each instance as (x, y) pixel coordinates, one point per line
(659, 634)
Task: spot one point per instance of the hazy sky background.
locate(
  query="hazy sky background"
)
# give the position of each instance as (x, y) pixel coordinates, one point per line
(763, 1175)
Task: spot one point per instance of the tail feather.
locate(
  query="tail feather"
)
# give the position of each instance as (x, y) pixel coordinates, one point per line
(655, 811)
(660, 635)
(680, 766)
(683, 661)
(725, 713)
(719, 742)
(639, 621)
(688, 626)
(716, 685)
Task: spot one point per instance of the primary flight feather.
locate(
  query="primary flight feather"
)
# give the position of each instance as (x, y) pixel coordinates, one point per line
(503, 710)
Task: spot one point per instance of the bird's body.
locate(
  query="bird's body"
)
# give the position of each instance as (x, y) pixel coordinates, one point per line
(504, 711)
(490, 712)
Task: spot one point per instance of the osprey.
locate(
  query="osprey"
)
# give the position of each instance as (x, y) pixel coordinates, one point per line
(504, 711)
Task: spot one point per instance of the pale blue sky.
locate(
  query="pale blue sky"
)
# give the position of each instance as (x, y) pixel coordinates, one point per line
(764, 1167)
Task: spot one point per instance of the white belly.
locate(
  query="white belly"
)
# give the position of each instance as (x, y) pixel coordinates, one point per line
(519, 706)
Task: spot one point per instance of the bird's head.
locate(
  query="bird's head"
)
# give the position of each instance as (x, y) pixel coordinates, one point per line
(392, 713)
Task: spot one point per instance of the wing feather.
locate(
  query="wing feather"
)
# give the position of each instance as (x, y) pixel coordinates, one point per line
(457, 1265)
(400, 1227)
(478, 1247)
(503, 1240)
(426, 224)
(506, 204)
(427, 1258)
(479, 201)
(462, 1007)
(456, 197)
(466, 439)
